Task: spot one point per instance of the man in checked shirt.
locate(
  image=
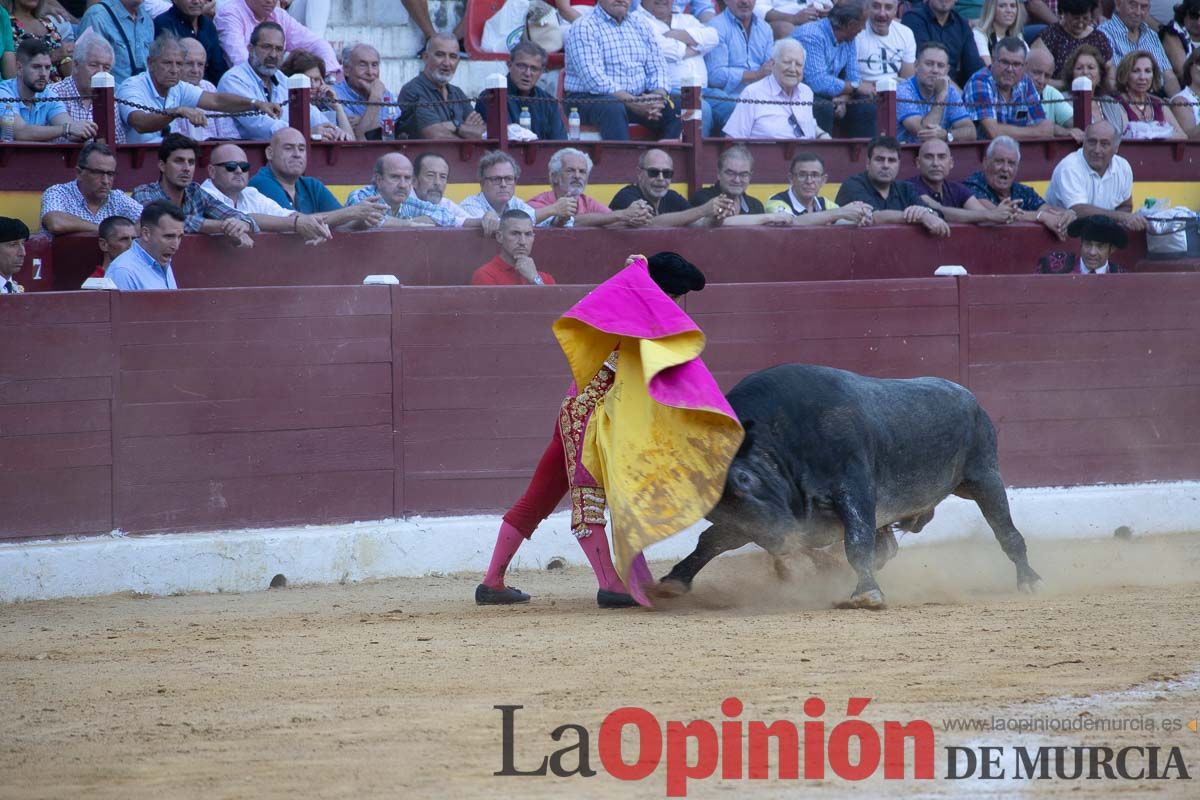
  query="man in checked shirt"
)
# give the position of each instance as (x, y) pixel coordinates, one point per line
(613, 57)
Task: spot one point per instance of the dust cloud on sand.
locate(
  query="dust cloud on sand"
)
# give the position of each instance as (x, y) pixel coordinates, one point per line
(389, 688)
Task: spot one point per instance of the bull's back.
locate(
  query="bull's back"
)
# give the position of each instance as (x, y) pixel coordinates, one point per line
(914, 434)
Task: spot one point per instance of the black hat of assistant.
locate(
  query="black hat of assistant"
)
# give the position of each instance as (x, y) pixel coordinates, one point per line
(1099, 228)
(674, 274)
(12, 229)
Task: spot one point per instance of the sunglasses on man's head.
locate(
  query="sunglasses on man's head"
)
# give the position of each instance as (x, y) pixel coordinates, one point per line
(660, 173)
(234, 166)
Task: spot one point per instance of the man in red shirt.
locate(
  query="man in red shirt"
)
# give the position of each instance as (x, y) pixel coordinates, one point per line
(514, 266)
(116, 235)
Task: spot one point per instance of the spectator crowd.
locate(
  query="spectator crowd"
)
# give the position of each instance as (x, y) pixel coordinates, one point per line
(1004, 70)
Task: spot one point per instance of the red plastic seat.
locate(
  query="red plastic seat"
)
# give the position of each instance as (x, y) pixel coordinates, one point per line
(479, 12)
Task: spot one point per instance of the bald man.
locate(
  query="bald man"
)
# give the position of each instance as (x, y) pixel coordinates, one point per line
(393, 184)
(1039, 66)
(283, 180)
(228, 181)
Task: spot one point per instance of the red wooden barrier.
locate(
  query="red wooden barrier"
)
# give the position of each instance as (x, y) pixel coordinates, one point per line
(448, 257)
(206, 409)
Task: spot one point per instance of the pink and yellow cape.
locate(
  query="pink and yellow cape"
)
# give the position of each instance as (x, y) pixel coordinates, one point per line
(661, 440)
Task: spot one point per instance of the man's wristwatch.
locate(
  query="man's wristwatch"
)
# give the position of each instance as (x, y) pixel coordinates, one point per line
(949, 136)
(537, 281)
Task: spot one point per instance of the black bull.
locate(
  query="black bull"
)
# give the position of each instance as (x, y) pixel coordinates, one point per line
(833, 456)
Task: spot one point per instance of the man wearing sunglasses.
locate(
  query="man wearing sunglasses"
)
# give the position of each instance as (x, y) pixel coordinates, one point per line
(653, 188)
(82, 204)
(228, 181)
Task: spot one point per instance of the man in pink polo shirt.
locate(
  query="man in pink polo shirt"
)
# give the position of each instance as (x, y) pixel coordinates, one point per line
(566, 200)
(237, 19)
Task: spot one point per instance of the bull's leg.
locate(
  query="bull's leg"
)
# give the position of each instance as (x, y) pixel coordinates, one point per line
(886, 546)
(856, 509)
(715, 540)
(988, 493)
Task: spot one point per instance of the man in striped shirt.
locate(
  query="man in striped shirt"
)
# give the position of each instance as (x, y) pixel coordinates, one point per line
(617, 74)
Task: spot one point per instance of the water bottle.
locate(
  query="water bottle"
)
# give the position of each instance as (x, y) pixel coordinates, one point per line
(526, 120)
(573, 125)
(8, 123)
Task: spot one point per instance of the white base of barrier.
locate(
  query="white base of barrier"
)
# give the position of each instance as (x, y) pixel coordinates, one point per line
(248, 560)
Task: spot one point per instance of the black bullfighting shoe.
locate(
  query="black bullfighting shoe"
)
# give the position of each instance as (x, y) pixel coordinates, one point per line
(609, 599)
(487, 596)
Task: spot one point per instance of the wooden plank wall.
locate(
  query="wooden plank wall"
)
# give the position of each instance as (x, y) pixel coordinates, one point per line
(253, 407)
(56, 386)
(222, 408)
(1089, 381)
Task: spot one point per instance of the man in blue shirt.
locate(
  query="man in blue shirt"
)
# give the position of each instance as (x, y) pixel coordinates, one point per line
(162, 87)
(936, 20)
(616, 72)
(919, 115)
(831, 71)
(738, 60)
(525, 65)
(128, 28)
(259, 77)
(146, 265)
(283, 180)
(1004, 100)
(186, 19)
(361, 84)
(38, 122)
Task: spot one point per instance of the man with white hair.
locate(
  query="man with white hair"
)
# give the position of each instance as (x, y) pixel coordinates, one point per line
(228, 179)
(569, 173)
(195, 60)
(93, 54)
(161, 87)
(997, 182)
(361, 85)
(1094, 180)
(779, 106)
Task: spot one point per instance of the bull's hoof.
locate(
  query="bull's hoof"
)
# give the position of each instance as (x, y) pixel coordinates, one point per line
(1029, 587)
(871, 601)
(668, 588)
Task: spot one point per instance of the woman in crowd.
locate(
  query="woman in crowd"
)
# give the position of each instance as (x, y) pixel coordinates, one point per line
(1138, 76)
(1186, 105)
(1088, 62)
(1000, 19)
(1075, 28)
(304, 62)
(29, 21)
(1182, 37)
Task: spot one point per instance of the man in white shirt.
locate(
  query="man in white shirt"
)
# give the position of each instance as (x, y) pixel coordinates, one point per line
(885, 46)
(228, 176)
(784, 16)
(684, 41)
(1095, 180)
(161, 87)
(779, 106)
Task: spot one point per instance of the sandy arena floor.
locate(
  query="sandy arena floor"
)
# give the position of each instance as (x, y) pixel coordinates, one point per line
(387, 689)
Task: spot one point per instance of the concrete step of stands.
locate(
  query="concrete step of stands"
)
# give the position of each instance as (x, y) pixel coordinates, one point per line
(385, 24)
